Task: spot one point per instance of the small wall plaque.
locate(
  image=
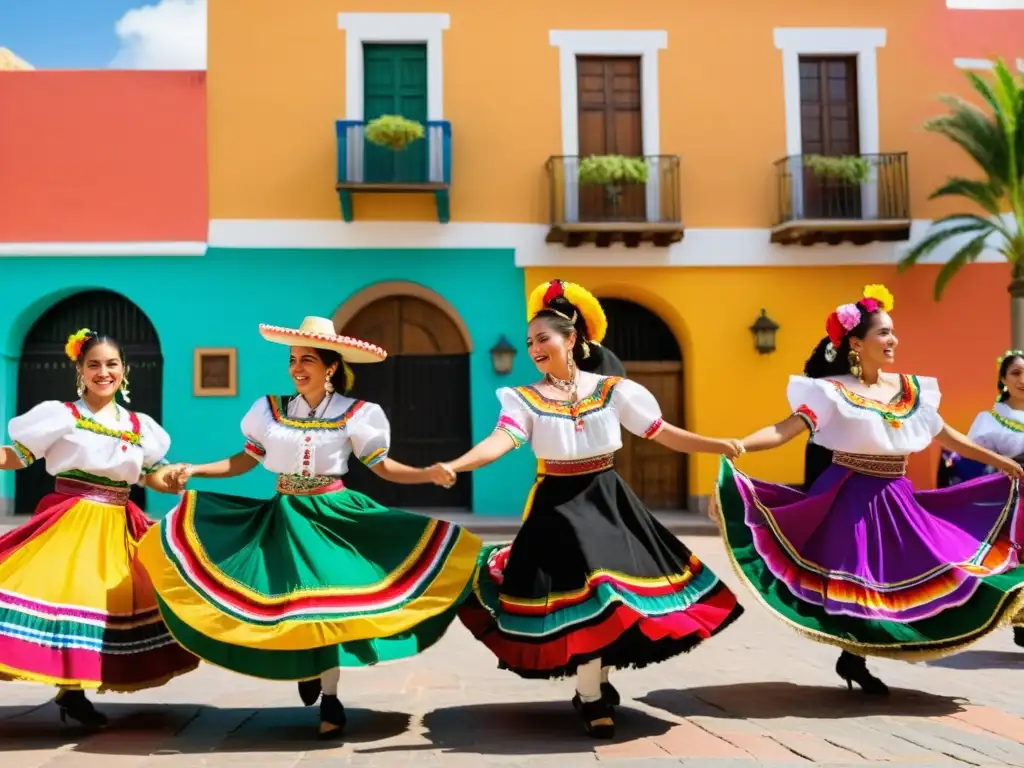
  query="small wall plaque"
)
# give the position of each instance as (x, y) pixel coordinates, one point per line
(215, 372)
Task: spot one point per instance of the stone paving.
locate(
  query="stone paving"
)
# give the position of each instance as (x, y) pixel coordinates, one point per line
(758, 695)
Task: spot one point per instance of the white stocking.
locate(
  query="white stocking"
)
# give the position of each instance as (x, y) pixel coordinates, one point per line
(588, 680)
(329, 681)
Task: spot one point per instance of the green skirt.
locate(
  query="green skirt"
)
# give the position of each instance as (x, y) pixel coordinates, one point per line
(288, 588)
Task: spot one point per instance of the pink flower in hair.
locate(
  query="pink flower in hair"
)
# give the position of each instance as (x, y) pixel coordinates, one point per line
(849, 316)
(871, 305)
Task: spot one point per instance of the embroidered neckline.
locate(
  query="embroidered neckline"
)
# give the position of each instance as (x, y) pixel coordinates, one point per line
(902, 406)
(595, 401)
(1004, 421)
(90, 424)
(280, 414)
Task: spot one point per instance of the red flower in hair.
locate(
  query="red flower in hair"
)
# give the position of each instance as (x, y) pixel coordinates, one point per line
(835, 330)
(554, 291)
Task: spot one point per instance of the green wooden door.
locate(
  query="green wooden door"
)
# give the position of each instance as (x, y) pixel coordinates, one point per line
(395, 83)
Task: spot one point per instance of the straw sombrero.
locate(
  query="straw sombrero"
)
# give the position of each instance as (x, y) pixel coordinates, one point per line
(319, 332)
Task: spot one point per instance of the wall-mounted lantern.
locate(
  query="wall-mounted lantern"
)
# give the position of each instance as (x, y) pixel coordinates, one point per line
(503, 356)
(764, 330)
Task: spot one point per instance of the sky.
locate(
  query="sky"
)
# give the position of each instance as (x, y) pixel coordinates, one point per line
(100, 34)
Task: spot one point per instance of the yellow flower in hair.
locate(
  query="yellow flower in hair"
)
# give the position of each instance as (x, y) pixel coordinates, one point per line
(73, 347)
(882, 295)
(585, 302)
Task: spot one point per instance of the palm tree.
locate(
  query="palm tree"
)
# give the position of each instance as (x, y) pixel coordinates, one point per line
(995, 141)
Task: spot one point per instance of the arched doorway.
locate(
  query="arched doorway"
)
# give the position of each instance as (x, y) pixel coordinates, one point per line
(45, 373)
(423, 387)
(652, 357)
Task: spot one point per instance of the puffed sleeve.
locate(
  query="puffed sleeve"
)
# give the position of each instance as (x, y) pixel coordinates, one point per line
(515, 419)
(811, 400)
(370, 434)
(930, 396)
(254, 428)
(33, 433)
(984, 430)
(637, 408)
(155, 444)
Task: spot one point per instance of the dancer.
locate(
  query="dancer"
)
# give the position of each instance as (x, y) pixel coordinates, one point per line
(319, 577)
(592, 580)
(861, 560)
(75, 610)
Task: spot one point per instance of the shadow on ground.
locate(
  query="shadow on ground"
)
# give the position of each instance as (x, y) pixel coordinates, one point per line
(769, 701)
(977, 660)
(153, 729)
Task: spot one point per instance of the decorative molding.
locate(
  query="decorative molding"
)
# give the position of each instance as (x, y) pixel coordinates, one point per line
(982, 65)
(158, 248)
(203, 359)
(362, 28)
(985, 5)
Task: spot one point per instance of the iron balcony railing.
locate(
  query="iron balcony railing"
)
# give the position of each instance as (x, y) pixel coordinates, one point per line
(654, 202)
(878, 191)
(427, 162)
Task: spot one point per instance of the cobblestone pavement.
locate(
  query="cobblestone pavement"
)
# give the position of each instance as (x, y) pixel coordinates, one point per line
(757, 695)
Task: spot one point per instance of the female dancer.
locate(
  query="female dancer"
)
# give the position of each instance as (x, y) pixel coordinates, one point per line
(861, 561)
(318, 577)
(75, 610)
(592, 580)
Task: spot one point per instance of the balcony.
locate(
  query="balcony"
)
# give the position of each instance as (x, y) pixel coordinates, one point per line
(861, 199)
(607, 213)
(423, 166)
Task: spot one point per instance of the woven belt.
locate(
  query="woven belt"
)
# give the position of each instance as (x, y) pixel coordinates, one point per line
(876, 466)
(297, 485)
(588, 466)
(92, 491)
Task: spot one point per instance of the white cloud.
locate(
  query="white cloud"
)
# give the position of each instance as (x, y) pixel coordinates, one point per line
(168, 35)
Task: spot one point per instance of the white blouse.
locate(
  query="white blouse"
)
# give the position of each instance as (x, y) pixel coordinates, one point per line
(553, 428)
(295, 442)
(1000, 429)
(843, 420)
(120, 446)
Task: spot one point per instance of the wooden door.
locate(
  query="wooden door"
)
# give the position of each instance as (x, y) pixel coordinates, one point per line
(829, 126)
(395, 83)
(423, 387)
(652, 357)
(45, 373)
(610, 119)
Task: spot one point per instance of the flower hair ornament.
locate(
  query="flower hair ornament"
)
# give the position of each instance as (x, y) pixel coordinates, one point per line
(848, 316)
(582, 301)
(73, 347)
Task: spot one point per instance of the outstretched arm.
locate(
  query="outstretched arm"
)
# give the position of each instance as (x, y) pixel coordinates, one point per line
(9, 458)
(397, 472)
(232, 466)
(778, 434)
(487, 451)
(952, 440)
(676, 439)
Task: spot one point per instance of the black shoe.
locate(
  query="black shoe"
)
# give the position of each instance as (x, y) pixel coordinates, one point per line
(309, 691)
(1018, 636)
(73, 704)
(854, 669)
(332, 717)
(598, 717)
(609, 695)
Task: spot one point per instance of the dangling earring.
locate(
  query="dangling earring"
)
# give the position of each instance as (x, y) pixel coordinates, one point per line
(571, 364)
(586, 350)
(124, 387)
(80, 383)
(329, 385)
(855, 367)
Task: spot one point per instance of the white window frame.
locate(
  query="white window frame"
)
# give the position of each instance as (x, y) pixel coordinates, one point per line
(863, 43)
(629, 42)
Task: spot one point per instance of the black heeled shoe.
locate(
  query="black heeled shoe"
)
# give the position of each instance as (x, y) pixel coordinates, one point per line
(1018, 636)
(73, 704)
(854, 669)
(332, 717)
(598, 717)
(609, 695)
(309, 691)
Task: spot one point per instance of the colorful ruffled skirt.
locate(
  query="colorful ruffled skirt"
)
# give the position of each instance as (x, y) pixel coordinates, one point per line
(870, 565)
(76, 609)
(288, 588)
(590, 575)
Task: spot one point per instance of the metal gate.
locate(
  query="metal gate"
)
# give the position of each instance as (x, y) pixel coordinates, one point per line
(45, 373)
(426, 400)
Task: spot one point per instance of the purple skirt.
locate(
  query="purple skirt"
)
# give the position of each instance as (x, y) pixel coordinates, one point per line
(875, 567)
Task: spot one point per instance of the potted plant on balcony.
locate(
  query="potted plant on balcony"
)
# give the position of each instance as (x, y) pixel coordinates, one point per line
(849, 169)
(393, 132)
(612, 172)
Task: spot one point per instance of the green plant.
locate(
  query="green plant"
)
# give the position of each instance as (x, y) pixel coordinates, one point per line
(848, 168)
(994, 139)
(598, 170)
(393, 131)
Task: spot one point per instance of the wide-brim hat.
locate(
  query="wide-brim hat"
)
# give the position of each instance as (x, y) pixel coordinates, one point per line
(319, 333)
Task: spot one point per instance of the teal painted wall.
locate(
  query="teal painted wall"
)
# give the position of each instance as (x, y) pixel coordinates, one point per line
(219, 299)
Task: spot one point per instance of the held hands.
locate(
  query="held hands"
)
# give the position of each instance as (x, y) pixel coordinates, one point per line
(170, 478)
(732, 448)
(442, 474)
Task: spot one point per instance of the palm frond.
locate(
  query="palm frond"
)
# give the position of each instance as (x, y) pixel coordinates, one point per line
(977, 134)
(967, 254)
(955, 219)
(982, 193)
(936, 237)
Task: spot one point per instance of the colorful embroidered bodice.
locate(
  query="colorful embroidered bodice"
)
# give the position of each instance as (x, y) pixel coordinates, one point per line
(1000, 429)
